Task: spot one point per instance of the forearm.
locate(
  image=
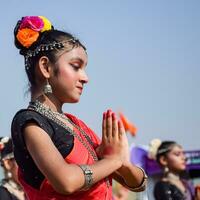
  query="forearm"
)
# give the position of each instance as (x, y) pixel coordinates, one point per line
(104, 168)
(76, 179)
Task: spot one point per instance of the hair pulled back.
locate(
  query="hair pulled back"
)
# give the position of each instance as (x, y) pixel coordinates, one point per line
(164, 148)
(30, 33)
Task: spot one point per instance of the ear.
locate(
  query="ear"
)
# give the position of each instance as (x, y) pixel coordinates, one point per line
(44, 66)
(7, 164)
(163, 161)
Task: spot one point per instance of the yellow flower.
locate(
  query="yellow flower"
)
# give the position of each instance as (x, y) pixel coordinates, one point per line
(47, 24)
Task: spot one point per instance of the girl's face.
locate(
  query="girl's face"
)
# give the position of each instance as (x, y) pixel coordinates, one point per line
(176, 160)
(68, 84)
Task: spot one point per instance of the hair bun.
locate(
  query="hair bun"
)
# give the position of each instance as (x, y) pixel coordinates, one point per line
(153, 148)
(28, 30)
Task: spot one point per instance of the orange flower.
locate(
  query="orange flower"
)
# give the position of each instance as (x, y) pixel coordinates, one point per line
(27, 37)
(129, 127)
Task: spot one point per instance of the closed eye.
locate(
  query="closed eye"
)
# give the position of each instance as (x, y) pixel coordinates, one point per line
(75, 66)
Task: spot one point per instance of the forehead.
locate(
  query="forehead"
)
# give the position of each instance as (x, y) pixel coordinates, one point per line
(77, 52)
(176, 148)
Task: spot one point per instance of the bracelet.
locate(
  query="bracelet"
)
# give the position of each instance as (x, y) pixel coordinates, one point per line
(88, 176)
(142, 185)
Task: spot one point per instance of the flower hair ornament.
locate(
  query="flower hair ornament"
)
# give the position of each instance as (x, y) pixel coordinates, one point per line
(29, 29)
(153, 148)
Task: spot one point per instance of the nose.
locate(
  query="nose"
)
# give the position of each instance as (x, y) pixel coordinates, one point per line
(84, 77)
(184, 157)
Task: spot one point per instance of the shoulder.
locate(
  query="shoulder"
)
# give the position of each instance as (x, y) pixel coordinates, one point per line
(22, 118)
(160, 185)
(26, 115)
(189, 185)
(162, 190)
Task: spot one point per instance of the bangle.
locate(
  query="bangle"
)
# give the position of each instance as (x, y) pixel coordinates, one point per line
(142, 184)
(88, 176)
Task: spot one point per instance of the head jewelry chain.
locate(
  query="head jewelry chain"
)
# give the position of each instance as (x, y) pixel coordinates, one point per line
(49, 47)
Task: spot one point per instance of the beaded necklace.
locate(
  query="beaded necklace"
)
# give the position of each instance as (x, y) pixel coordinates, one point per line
(53, 115)
(47, 112)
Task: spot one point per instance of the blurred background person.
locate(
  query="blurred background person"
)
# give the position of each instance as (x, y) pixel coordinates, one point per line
(9, 188)
(171, 158)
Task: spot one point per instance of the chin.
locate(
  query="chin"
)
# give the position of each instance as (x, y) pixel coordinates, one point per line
(181, 169)
(72, 100)
(184, 168)
(75, 101)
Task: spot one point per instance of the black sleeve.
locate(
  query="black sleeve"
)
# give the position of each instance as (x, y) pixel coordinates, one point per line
(62, 140)
(162, 191)
(4, 194)
(32, 174)
(21, 119)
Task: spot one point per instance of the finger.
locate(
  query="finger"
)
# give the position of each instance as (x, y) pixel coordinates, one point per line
(114, 126)
(121, 129)
(109, 124)
(104, 135)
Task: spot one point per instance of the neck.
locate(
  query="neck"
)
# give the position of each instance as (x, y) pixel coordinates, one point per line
(172, 176)
(51, 101)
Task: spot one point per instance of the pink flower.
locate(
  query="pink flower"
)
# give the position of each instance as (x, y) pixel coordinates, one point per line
(33, 22)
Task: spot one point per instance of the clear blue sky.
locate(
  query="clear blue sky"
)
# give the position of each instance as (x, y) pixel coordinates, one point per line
(143, 60)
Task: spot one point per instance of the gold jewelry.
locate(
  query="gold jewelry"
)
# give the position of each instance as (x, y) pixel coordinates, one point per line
(142, 185)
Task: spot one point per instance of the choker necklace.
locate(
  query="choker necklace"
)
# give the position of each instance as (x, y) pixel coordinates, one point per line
(173, 177)
(53, 115)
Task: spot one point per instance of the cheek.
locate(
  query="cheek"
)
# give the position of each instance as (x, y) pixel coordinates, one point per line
(66, 75)
(176, 162)
(173, 160)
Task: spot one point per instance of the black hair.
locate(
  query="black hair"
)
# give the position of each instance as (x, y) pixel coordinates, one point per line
(6, 147)
(45, 38)
(164, 148)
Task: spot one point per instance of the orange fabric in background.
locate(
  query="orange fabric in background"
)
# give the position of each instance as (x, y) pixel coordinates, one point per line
(129, 127)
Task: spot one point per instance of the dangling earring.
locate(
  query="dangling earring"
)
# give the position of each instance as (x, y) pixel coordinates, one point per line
(47, 88)
(8, 175)
(166, 170)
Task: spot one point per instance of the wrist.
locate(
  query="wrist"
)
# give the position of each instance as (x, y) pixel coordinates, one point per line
(125, 165)
(115, 161)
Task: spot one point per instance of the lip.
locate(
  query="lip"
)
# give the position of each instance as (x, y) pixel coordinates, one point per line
(80, 89)
(184, 164)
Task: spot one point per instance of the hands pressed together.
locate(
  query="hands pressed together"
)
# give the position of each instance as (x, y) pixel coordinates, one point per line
(114, 143)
